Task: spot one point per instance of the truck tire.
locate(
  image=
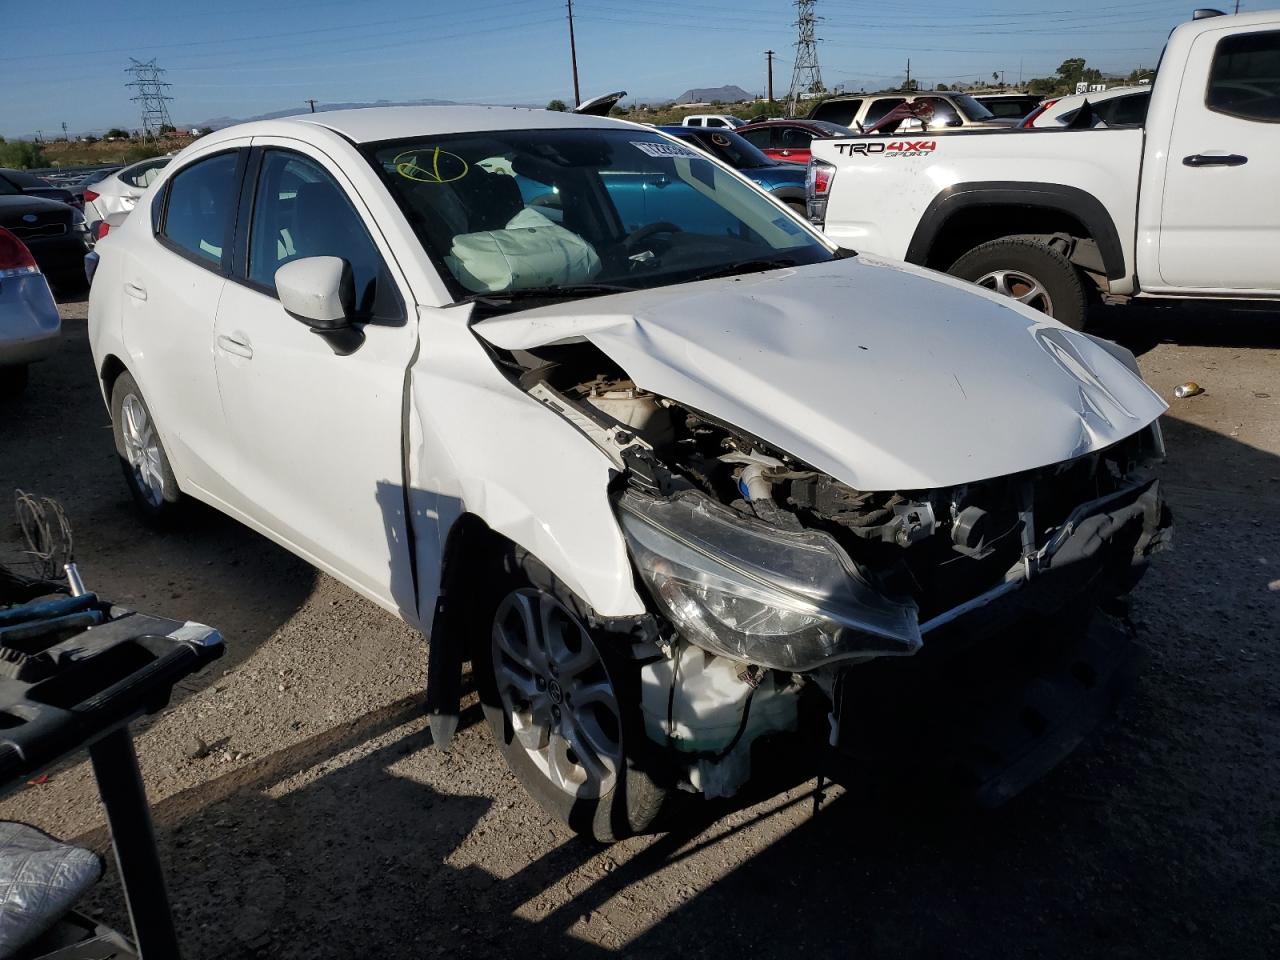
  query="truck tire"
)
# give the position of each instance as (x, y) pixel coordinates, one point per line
(142, 456)
(537, 659)
(1030, 272)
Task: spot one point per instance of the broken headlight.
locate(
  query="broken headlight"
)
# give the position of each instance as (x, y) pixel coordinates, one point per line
(790, 600)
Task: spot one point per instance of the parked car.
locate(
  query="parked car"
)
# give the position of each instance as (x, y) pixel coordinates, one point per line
(788, 140)
(29, 322)
(784, 180)
(951, 110)
(54, 232)
(118, 192)
(720, 120)
(88, 180)
(1117, 107)
(34, 186)
(1009, 106)
(677, 479)
(1182, 206)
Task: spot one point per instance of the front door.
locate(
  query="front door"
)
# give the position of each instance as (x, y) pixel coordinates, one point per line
(318, 433)
(1220, 219)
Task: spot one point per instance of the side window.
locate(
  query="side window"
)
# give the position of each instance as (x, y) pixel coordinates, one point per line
(694, 122)
(1127, 111)
(142, 175)
(1245, 78)
(200, 208)
(878, 108)
(761, 138)
(840, 111)
(300, 211)
(944, 114)
(794, 138)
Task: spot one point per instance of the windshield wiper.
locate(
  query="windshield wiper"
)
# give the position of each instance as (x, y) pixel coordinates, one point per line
(743, 266)
(566, 291)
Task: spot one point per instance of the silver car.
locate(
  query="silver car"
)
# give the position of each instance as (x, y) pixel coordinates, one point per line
(29, 323)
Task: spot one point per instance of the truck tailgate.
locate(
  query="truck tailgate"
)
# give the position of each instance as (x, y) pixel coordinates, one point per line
(884, 187)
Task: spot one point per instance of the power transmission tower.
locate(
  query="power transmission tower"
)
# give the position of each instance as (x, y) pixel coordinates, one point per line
(151, 94)
(806, 75)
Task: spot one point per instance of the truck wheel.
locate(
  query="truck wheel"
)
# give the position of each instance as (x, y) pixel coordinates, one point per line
(1030, 273)
(562, 699)
(142, 457)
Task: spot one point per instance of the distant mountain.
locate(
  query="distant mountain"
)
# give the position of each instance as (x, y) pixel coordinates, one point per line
(729, 94)
(217, 123)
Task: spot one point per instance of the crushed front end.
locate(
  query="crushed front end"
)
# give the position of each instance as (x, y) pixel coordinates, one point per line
(975, 631)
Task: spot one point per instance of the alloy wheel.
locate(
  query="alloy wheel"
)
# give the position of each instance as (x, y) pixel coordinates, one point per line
(142, 448)
(1018, 286)
(556, 693)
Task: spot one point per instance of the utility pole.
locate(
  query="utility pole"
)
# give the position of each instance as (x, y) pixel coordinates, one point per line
(64, 131)
(768, 55)
(806, 75)
(573, 57)
(311, 103)
(908, 86)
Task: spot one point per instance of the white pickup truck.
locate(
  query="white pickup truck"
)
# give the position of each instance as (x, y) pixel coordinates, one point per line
(1186, 206)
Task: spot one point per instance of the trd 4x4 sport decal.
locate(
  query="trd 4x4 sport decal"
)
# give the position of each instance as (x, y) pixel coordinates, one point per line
(894, 148)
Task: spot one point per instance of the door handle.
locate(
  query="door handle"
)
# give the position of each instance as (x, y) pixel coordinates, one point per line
(786, 153)
(1214, 160)
(135, 291)
(235, 346)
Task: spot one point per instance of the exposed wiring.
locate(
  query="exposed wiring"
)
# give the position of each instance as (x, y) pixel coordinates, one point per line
(47, 531)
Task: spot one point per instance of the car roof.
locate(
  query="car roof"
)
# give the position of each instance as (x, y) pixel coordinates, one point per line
(372, 124)
(779, 121)
(1074, 99)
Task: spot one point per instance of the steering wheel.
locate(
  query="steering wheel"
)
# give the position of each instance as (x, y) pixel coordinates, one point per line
(650, 230)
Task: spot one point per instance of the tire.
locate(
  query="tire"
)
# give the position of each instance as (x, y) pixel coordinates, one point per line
(538, 736)
(1031, 272)
(13, 381)
(142, 456)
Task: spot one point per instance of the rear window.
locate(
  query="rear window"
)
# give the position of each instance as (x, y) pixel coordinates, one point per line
(141, 175)
(837, 111)
(1245, 79)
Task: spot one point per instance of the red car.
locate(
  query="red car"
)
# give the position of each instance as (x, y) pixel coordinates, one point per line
(788, 140)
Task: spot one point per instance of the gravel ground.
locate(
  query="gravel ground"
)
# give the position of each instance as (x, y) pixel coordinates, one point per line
(318, 823)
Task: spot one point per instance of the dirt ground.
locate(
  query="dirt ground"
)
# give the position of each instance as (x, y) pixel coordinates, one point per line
(321, 824)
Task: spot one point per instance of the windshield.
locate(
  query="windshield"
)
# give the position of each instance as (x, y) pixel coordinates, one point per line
(971, 107)
(7, 187)
(550, 210)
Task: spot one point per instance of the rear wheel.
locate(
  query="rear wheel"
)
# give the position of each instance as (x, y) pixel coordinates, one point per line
(142, 457)
(562, 701)
(1029, 272)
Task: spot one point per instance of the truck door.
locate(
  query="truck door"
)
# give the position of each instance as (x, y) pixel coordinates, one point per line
(1220, 215)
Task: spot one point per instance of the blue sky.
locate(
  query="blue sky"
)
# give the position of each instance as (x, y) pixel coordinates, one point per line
(238, 57)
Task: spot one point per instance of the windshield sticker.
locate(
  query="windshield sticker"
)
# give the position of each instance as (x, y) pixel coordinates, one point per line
(719, 139)
(430, 166)
(896, 148)
(665, 151)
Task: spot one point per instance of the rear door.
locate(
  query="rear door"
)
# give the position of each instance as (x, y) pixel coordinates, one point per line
(317, 434)
(1220, 213)
(793, 144)
(765, 139)
(172, 276)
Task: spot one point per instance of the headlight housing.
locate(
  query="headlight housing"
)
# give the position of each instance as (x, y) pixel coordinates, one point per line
(789, 600)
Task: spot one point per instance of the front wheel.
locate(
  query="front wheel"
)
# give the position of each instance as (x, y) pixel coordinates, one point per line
(562, 701)
(1029, 272)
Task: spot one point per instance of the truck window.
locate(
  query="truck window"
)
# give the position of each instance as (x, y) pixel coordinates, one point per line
(944, 114)
(878, 108)
(1245, 78)
(837, 111)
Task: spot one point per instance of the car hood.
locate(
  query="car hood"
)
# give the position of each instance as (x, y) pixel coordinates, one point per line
(884, 375)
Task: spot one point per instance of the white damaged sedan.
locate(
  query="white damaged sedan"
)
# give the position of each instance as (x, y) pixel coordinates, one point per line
(677, 477)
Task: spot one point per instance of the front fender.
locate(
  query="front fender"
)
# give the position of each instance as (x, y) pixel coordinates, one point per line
(479, 445)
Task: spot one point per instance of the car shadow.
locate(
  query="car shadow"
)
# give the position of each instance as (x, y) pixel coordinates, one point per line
(1140, 326)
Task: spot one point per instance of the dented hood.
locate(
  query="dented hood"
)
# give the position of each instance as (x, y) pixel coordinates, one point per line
(885, 376)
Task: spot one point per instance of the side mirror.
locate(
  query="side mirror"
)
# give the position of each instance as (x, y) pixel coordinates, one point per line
(319, 292)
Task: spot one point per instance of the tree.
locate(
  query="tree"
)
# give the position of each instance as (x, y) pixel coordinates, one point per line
(22, 155)
(557, 105)
(115, 133)
(167, 128)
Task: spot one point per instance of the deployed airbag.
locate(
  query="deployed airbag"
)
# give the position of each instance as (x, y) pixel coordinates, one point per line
(529, 252)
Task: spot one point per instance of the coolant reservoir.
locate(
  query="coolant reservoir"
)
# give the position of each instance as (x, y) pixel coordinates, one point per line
(637, 409)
